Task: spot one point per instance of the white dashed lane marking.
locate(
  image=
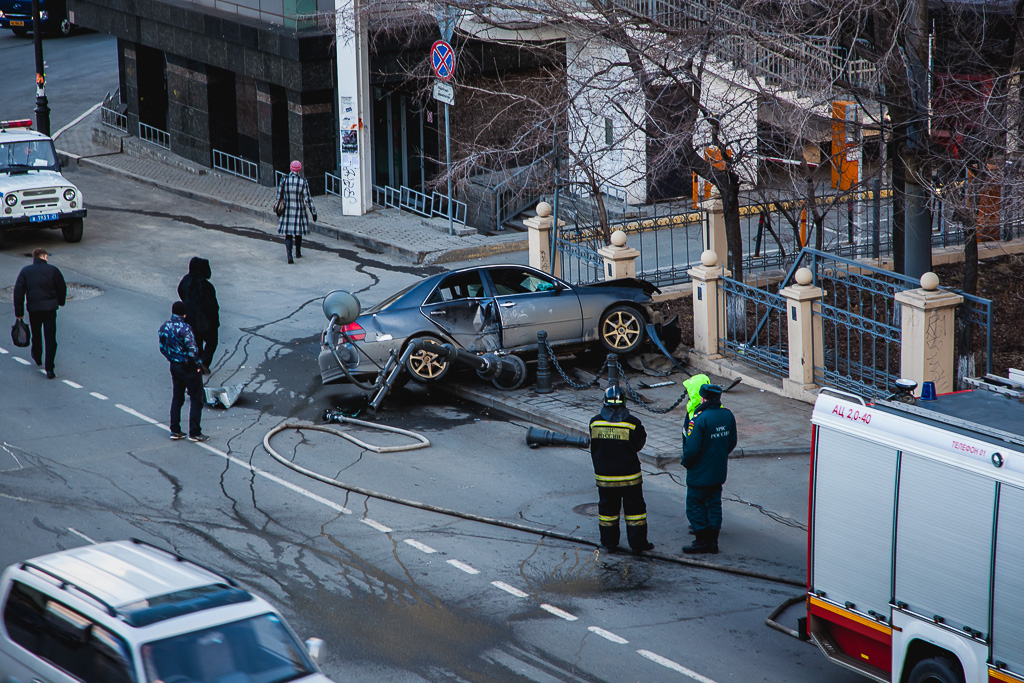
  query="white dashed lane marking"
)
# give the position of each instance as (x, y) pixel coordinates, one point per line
(675, 666)
(511, 590)
(462, 566)
(419, 546)
(3, 350)
(373, 524)
(561, 614)
(607, 635)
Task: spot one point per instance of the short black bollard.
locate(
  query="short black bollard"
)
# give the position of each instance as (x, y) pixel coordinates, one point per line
(613, 369)
(543, 364)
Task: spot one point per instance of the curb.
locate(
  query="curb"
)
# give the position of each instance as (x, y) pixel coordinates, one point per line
(378, 246)
(520, 410)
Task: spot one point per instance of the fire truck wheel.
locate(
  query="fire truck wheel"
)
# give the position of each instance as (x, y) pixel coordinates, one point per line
(936, 670)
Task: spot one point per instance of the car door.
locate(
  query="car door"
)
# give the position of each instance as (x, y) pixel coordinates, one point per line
(460, 307)
(529, 301)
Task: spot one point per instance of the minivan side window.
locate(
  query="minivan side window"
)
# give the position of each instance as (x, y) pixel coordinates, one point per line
(66, 639)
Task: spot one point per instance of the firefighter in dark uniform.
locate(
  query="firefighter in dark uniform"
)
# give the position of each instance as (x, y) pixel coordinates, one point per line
(615, 439)
(707, 442)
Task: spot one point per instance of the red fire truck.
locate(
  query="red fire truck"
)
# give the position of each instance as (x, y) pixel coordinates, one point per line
(916, 539)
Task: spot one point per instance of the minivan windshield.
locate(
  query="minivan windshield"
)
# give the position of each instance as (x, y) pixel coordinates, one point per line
(255, 650)
(27, 155)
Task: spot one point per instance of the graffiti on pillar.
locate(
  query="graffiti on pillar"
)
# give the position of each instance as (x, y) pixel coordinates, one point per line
(350, 125)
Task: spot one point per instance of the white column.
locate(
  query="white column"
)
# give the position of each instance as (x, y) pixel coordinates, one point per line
(354, 107)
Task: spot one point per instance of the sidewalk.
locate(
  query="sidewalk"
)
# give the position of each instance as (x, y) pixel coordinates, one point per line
(384, 230)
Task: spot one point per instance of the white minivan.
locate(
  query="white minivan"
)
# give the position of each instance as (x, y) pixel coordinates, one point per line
(129, 612)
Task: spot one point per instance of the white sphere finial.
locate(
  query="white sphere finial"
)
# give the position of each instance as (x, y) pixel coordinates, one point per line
(709, 258)
(544, 209)
(804, 276)
(930, 281)
(618, 238)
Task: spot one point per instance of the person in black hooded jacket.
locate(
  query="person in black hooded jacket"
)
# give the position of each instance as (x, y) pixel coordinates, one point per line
(615, 439)
(203, 312)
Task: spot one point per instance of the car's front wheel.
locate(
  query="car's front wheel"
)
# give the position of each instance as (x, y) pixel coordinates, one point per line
(65, 28)
(73, 232)
(426, 366)
(622, 329)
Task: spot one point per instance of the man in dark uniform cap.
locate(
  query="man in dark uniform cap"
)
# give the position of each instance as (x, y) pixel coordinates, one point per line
(710, 437)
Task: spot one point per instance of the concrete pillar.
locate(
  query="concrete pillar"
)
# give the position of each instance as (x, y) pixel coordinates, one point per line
(708, 305)
(271, 118)
(130, 87)
(619, 260)
(806, 347)
(927, 332)
(189, 100)
(714, 230)
(540, 240)
(354, 107)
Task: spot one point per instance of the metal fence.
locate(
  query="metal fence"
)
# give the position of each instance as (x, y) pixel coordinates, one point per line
(236, 166)
(754, 325)
(420, 203)
(109, 116)
(158, 137)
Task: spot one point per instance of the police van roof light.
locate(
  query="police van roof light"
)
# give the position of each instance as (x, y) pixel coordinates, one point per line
(16, 123)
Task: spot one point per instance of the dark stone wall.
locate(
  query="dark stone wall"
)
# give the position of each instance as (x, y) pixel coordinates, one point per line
(199, 41)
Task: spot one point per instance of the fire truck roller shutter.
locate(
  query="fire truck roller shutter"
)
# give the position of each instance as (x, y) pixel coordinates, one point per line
(944, 541)
(854, 492)
(1008, 588)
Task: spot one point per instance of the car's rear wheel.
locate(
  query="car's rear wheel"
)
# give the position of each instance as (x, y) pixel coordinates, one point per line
(425, 366)
(73, 232)
(622, 329)
(65, 28)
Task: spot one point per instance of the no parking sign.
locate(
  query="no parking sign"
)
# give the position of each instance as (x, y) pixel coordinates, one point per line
(442, 59)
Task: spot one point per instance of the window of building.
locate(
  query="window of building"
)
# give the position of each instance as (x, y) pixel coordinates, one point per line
(609, 132)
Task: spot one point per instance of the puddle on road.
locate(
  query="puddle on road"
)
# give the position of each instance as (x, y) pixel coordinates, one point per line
(77, 291)
(595, 572)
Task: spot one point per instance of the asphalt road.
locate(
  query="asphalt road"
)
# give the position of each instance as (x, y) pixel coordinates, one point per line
(398, 593)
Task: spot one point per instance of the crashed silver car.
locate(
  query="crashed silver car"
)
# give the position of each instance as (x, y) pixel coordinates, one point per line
(485, 309)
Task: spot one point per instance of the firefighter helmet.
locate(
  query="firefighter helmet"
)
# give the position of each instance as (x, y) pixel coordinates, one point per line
(614, 396)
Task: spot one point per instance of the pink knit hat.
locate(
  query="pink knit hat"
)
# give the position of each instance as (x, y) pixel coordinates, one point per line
(296, 166)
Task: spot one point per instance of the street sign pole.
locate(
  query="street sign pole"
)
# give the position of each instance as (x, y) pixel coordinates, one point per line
(448, 160)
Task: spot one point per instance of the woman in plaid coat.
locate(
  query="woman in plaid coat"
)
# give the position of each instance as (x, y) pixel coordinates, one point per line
(294, 191)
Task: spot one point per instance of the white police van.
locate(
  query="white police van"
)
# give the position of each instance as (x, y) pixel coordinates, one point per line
(33, 193)
(129, 612)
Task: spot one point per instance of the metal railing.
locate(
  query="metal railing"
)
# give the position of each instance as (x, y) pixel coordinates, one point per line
(754, 326)
(160, 138)
(516, 192)
(109, 116)
(428, 206)
(332, 183)
(236, 166)
(439, 204)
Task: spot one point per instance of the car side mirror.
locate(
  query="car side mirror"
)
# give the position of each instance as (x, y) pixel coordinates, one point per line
(315, 647)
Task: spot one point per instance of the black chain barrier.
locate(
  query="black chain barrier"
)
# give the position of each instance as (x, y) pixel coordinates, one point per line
(609, 364)
(571, 383)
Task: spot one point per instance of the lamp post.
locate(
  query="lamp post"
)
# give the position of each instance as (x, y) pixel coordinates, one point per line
(42, 108)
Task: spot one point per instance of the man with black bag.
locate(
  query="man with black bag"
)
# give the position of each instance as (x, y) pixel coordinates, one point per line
(41, 289)
(178, 345)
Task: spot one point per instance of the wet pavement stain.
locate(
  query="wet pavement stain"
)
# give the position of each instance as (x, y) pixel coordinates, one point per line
(596, 572)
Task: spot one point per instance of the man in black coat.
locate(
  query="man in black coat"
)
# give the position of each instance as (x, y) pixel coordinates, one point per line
(202, 310)
(710, 437)
(41, 289)
(615, 439)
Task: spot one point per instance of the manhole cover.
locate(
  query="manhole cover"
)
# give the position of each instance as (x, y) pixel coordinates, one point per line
(76, 291)
(587, 509)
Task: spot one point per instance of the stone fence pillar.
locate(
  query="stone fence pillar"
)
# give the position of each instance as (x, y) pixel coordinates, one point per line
(927, 332)
(619, 260)
(708, 304)
(540, 240)
(806, 346)
(714, 231)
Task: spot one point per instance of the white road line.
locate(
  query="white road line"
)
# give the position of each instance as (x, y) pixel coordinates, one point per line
(3, 350)
(21, 360)
(139, 415)
(561, 614)
(76, 532)
(463, 567)
(278, 480)
(97, 395)
(419, 546)
(607, 635)
(669, 664)
(82, 116)
(373, 524)
(511, 590)
(71, 384)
